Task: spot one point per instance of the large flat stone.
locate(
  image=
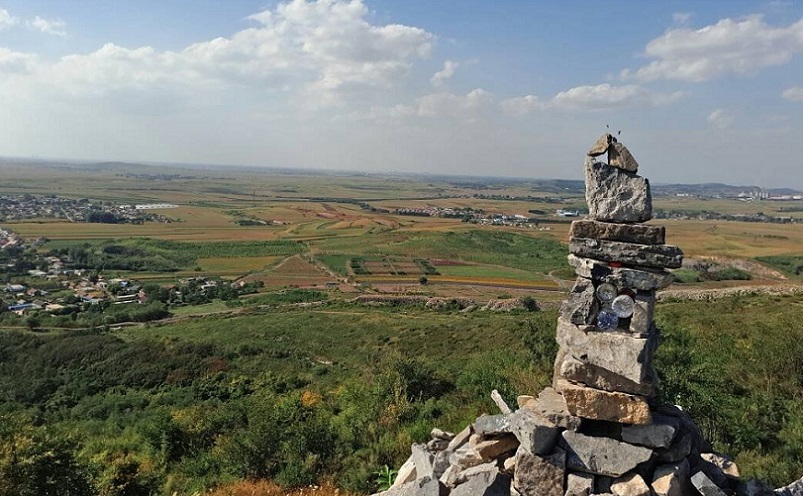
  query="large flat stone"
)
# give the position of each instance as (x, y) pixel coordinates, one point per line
(540, 475)
(534, 432)
(425, 486)
(659, 256)
(596, 404)
(618, 353)
(488, 425)
(615, 195)
(629, 233)
(579, 484)
(706, 486)
(659, 434)
(601, 145)
(630, 485)
(602, 455)
(552, 406)
(405, 474)
(622, 277)
(492, 448)
(575, 370)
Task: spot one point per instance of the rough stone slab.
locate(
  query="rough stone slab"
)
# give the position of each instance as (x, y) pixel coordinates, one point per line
(681, 448)
(603, 405)
(535, 433)
(698, 442)
(705, 486)
(454, 477)
(488, 483)
(574, 370)
(460, 438)
(426, 486)
(464, 458)
(580, 307)
(657, 256)
(602, 455)
(423, 459)
(725, 464)
(643, 311)
(436, 445)
(621, 158)
(671, 479)
(552, 406)
(500, 402)
(489, 425)
(490, 449)
(618, 353)
(405, 474)
(615, 195)
(622, 277)
(441, 463)
(601, 145)
(659, 434)
(441, 434)
(642, 234)
(579, 484)
(630, 485)
(537, 475)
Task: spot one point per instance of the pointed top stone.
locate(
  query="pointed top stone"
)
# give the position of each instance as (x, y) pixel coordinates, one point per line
(621, 158)
(601, 145)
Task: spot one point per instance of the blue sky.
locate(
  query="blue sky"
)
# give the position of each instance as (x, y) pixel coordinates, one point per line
(703, 91)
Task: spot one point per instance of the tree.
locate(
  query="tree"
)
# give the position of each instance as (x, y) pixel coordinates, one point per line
(423, 280)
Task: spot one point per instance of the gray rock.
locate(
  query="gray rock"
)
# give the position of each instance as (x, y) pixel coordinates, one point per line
(698, 441)
(405, 474)
(580, 307)
(423, 460)
(706, 486)
(552, 406)
(538, 475)
(440, 463)
(641, 321)
(659, 434)
(618, 353)
(601, 145)
(500, 402)
(793, 489)
(621, 158)
(465, 457)
(425, 486)
(460, 438)
(681, 448)
(488, 483)
(454, 477)
(724, 463)
(535, 433)
(630, 485)
(437, 444)
(659, 256)
(671, 479)
(440, 434)
(602, 455)
(579, 484)
(489, 425)
(574, 370)
(623, 277)
(615, 195)
(629, 233)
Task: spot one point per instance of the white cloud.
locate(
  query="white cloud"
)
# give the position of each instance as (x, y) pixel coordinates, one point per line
(317, 49)
(440, 77)
(605, 96)
(521, 105)
(468, 107)
(16, 62)
(6, 19)
(720, 119)
(52, 26)
(793, 94)
(727, 47)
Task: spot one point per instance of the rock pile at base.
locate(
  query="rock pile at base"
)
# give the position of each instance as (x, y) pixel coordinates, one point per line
(599, 429)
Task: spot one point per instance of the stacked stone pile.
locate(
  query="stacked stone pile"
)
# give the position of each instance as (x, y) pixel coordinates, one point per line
(599, 429)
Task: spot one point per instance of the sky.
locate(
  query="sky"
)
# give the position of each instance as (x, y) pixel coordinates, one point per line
(699, 91)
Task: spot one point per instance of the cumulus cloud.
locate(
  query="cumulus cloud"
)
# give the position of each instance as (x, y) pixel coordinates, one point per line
(16, 62)
(727, 47)
(6, 19)
(606, 96)
(521, 105)
(52, 26)
(793, 94)
(467, 108)
(440, 77)
(316, 48)
(720, 119)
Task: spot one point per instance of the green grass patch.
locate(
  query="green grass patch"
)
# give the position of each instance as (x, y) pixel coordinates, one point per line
(788, 264)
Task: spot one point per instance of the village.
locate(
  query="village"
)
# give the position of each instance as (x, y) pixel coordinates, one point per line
(24, 207)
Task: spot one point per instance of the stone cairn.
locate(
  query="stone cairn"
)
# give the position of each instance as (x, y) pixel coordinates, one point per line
(598, 430)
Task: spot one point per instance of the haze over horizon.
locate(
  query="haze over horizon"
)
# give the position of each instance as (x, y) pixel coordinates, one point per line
(702, 91)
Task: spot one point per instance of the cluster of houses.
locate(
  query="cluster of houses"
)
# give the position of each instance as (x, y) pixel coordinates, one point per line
(9, 239)
(23, 207)
(21, 299)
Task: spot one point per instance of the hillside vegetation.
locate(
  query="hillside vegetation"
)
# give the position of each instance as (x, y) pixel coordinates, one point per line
(336, 392)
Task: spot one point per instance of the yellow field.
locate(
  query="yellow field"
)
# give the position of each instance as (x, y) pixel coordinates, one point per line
(227, 266)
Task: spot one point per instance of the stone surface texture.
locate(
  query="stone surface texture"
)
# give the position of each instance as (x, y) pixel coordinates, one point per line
(656, 256)
(602, 455)
(630, 485)
(536, 475)
(621, 158)
(614, 195)
(642, 234)
(596, 404)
